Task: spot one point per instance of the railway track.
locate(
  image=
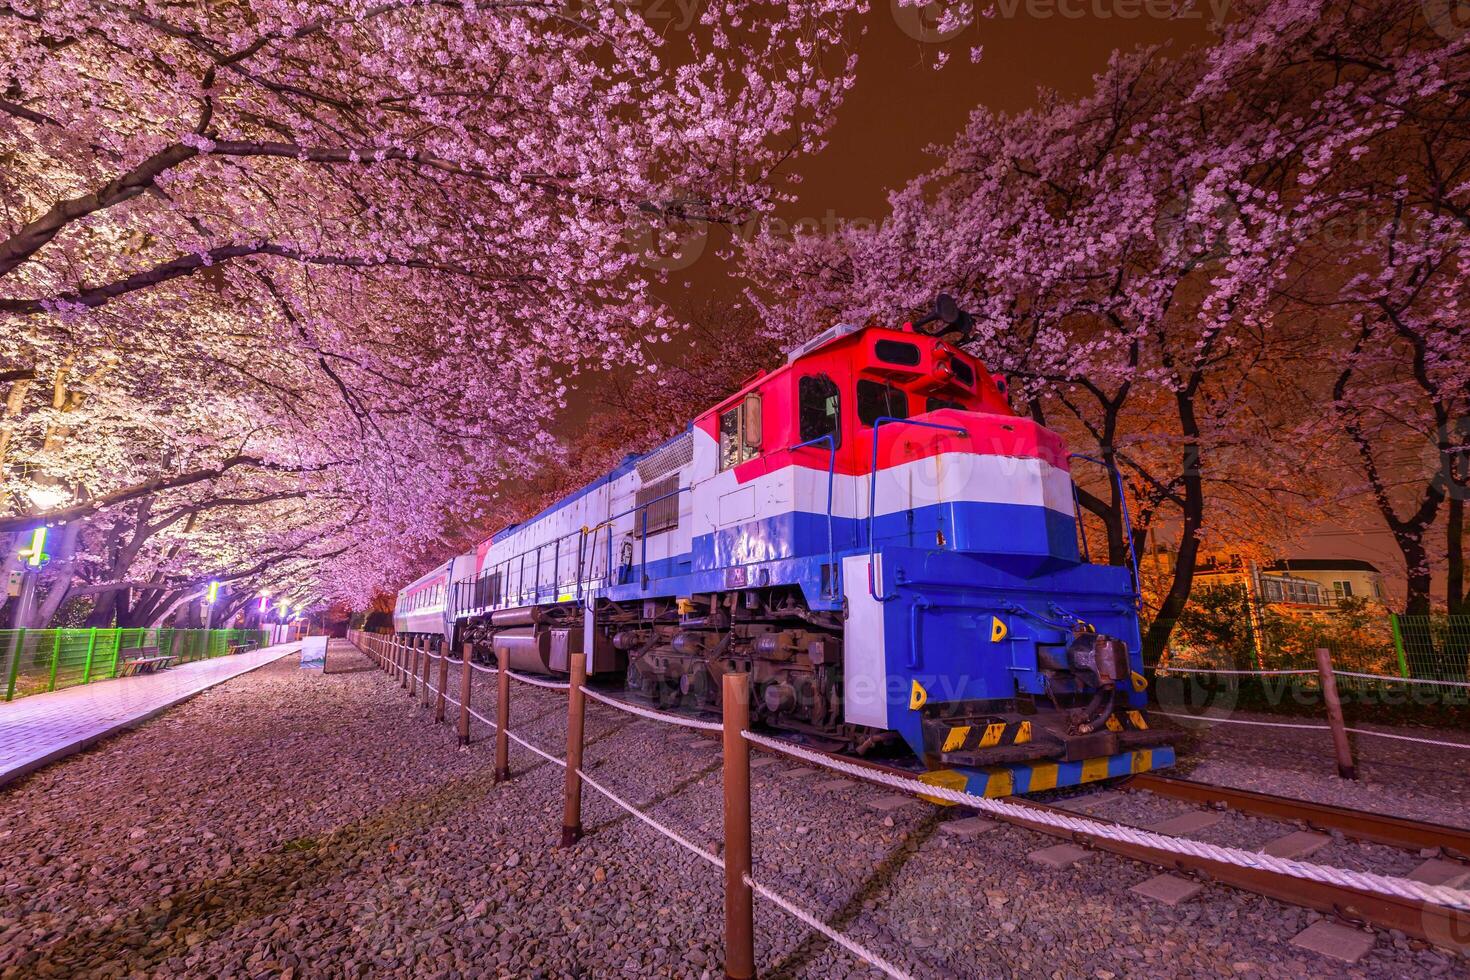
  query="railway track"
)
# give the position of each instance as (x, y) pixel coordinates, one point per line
(1437, 924)
(1442, 926)
(1432, 923)
(1359, 824)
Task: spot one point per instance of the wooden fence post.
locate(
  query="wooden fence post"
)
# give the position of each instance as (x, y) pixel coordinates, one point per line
(571, 820)
(1345, 767)
(502, 718)
(410, 664)
(464, 694)
(424, 692)
(443, 684)
(739, 913)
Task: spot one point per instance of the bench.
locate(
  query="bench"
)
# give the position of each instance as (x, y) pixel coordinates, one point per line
(146, 662)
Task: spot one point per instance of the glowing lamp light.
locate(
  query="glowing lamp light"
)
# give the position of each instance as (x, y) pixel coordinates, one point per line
(264, 603)
(47, 498)
(36, 555)
(213, 593)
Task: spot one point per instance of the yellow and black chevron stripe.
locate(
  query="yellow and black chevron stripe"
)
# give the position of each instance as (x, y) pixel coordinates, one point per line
(985, 735)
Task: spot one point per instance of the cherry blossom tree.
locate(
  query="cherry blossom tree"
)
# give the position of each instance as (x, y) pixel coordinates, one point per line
(302, 272)
(1126, 253)
(1386, 287)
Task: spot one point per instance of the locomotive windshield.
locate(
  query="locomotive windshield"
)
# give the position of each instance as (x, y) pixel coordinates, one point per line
(876, 399)
(819, 405)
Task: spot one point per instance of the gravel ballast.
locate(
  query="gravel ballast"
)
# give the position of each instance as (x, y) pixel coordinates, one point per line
(300, 824)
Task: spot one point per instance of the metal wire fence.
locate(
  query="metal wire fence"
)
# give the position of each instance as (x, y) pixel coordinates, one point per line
(1432, 647)
(36, 661)
(1435, 647)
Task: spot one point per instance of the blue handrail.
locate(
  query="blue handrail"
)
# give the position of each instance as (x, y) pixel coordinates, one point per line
(874, 586)
(831, 441)
(1127, 522)
(582, 534)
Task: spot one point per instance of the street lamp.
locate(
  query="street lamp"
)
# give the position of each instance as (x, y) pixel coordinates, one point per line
(32, 558)
(211, 596)
(35, 555)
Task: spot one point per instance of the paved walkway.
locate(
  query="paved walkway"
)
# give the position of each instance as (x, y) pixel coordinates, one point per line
(42, 728)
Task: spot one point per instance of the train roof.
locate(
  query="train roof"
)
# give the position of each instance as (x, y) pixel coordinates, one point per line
(832, 337)
(625, 465)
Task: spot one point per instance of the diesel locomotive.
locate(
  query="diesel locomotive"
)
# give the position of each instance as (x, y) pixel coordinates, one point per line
(874, 536)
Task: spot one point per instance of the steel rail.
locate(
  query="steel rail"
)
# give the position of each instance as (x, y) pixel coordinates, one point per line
(1434, 924)
(1360, 824)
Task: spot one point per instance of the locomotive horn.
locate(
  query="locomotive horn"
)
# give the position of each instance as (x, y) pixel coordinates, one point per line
(948, 312)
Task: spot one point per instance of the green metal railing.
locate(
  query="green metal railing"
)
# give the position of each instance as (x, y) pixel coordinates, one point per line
(36, 661)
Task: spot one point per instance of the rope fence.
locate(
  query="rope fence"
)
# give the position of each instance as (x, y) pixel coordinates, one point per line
(403, 660)
(1327, 676)
(397, 659)
(535, 682)
(1458, 898)
(1210, 719)
(1385, 678)
(1234, 673)
(667, 719)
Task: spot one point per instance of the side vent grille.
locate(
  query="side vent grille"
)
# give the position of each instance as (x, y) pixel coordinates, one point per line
(666, 459)
(661, 501)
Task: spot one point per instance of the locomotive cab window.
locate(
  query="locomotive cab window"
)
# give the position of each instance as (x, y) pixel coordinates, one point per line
(897, 352)
(875, 399)
(740, 432)
(819, 408)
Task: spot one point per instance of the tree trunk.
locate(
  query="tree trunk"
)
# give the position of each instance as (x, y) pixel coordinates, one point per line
(1459, 602)
(1156, 641)
(60, 573)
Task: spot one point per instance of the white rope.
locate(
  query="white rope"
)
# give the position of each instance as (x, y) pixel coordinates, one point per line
(668, 832)
(1315, 728)
(1241, 673)
(551, 685)
(525, 744)
(1242, 721)
(668, 719)
(1362, 880)
(446, 695)
(801, 915)
(795, 911)
(1409, 738)
(862, 953)
(1399, 680)
(483, 670)
(1340, 673)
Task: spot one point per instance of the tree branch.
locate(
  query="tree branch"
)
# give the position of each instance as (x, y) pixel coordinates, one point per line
(89, 507)
(92, 297)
